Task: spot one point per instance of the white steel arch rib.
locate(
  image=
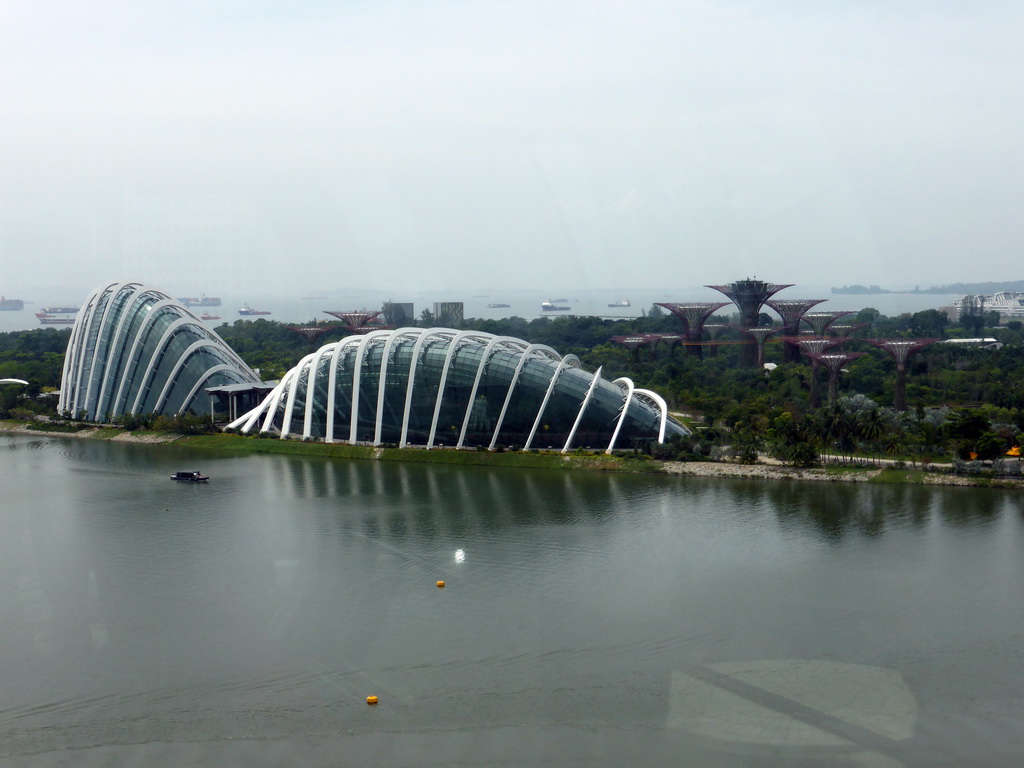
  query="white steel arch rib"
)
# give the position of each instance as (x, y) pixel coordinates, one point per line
(158, 350)
(274, 399)
(532, 350)
(567, 361)
(314, 367)
(339, 353)
(583, 407)
(202, 380)
(89, 321)
(115, 345)
(626, 384)
(152, 314)
(385, 363)
(452, 348)
(192, 348)
(353, 432)
(417, 350)
(107, 309)
(657, 401)
(67, 388)
(491, 347)
(293, 391)
(246, 421)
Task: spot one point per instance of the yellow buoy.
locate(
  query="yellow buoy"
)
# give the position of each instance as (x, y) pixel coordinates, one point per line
(440, 585)
(371, 700)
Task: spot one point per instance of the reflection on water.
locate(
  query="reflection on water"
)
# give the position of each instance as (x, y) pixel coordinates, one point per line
(591, 616)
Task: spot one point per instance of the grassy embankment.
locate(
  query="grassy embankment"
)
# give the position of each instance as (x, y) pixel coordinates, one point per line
(541, 460)
(240, 444)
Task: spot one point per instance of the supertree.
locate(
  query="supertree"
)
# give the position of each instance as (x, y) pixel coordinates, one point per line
(633, 344)
(749, 296)
(845, 330)
(834, 362)
(791, 311)
(900, 350)
(357, 322)
(692, 315)
(812, 345)
(760, 334)
(309, 332)
(820, 321)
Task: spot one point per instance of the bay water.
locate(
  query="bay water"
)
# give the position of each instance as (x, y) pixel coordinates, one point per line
(585, 618)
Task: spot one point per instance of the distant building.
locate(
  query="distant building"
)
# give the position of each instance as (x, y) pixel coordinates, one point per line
(449, 314)
(1009, 305)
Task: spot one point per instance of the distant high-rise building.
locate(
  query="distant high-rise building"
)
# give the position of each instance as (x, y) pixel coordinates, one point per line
(449, 314)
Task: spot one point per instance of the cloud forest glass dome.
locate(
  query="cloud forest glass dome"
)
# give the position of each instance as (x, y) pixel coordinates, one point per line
(440, 386)
(135, 350)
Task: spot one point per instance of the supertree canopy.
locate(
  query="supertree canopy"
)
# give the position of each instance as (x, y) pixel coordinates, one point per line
(791, 311)
(693, 314)
(900, 350)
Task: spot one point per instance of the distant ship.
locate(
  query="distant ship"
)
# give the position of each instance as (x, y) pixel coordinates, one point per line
(247, 310)
(202, 301)
(47, 311)
(498, 306)
(623, 303)
(208, 316)
(11, 304)
(57, 315)
(551, 306)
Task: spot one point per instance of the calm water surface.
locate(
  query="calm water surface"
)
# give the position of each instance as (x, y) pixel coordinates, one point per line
(587, 619)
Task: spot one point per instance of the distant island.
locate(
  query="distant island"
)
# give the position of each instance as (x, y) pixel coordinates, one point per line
(961, 288)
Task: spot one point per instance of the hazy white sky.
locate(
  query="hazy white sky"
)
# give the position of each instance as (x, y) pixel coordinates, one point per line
(280, 146)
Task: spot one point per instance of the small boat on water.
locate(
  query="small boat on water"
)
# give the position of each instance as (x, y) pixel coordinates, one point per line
(190, 477)
(208, 316)
(623, 303)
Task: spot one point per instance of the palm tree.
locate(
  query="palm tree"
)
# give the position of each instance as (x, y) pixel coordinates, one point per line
(871, 426)
(839, 430)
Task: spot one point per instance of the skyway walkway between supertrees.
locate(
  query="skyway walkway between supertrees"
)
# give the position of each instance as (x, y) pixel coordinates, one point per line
(792, 311)
(749, 296)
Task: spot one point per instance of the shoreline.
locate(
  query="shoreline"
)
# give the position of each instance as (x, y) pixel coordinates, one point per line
(529, 460)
